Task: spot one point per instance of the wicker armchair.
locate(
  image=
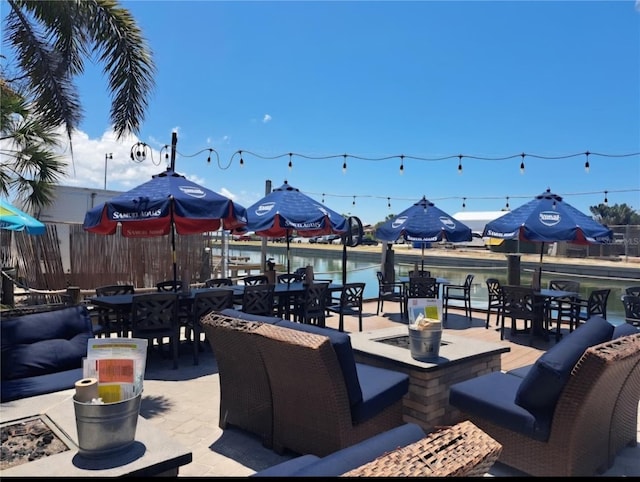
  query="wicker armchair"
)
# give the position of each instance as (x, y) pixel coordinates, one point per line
(312, 409)
(245, 393)
(595, 415)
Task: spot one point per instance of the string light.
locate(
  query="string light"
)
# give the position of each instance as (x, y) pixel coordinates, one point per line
(354, 201)
(522, 163)
(459, 163)
(389, 202)
(586, 163)
(507, 206)
(241, 159)
(290, 163)
(606, 201)
(401, 165)
(322, 198)
(344, 165)
(464, 202)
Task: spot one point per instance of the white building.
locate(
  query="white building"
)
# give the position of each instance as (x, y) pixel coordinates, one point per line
(477, 220)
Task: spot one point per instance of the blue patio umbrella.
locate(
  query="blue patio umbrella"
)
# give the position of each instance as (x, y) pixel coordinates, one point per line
(548, 219)
(425, 223)
(167, 204)
(286, 209)
(14, 219)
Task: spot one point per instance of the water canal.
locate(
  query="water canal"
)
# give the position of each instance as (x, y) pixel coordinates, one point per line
(327, 264)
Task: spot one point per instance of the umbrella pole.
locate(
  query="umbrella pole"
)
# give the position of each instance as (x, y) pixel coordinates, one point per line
(288, 258)
(344, 262)
(422, 256)
(173, 255)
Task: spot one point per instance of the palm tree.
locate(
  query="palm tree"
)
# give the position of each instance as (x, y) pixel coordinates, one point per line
(28, 166)
(51, 40)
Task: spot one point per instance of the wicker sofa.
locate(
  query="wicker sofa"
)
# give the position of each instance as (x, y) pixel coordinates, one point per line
(569, 413)
(42, 351)
(462, 450)
(298, 386)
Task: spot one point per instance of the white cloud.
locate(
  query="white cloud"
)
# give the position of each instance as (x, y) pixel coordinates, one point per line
(266, 118)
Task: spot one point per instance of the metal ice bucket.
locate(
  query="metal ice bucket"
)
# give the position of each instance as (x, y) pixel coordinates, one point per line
(425, 344)
(107, 428)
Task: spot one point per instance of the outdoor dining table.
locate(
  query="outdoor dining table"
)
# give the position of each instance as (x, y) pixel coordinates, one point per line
(122, 303)
(545, 295)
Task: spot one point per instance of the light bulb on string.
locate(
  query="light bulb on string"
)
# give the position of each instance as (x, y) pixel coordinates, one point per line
(290, 163)
(344, 164)
(389, 203)
(354, 201)
(586, 163)
(459, 163)
(507, 205)
(522, 163)
(606, 201)
(209, 157)
(241, 159)
(401, 165)
(464, 203)
(322, 198)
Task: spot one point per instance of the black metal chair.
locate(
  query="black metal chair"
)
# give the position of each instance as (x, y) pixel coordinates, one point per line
(218, 282)
(169, 285)
(313, 304)
(632, 290)
(388, 291)
(258, 299)
(112, 321)
(595, 304)
(561, 309)
(284, 303)
(205, 302)
(521, 303)
(631, 305)
(452, 292)
(496, 300)
(258, 279)
(420, 287)
(350, 303)
(154, 316)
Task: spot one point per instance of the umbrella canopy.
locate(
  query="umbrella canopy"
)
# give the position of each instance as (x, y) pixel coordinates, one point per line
(13, 219)
(424, 222)
(548, 219)
(168, 199)
(168, 203)
(286, 209)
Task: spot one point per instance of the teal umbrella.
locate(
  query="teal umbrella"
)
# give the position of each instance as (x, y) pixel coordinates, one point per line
(13, 219)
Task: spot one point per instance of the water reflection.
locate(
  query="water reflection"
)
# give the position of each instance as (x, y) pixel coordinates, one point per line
(360, 271)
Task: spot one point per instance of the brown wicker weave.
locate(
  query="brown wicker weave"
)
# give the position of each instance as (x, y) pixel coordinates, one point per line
(245, 394)
(459, 451)
(624, 425)
(579, 443)
(311, 412)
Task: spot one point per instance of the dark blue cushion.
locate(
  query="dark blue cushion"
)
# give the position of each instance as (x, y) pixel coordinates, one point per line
(380, 389)
(241, 315)
(342, 346)
(32, 386)
(541, 387)
(288, 467)
(624, 329)
(349, 458)
(46, 342)
(491, 397)
(521, 371)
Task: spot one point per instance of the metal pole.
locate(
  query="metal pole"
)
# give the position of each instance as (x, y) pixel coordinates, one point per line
(106, 156)
(174, 141)
(263, 250)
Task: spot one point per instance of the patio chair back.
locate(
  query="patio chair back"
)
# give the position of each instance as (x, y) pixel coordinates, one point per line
(258, 299)
(520, 303)
(218, 282)
(350, 303)
(205, 302)
(496, 301)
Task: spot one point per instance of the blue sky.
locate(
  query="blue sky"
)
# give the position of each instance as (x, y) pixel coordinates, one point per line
(384, 79)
